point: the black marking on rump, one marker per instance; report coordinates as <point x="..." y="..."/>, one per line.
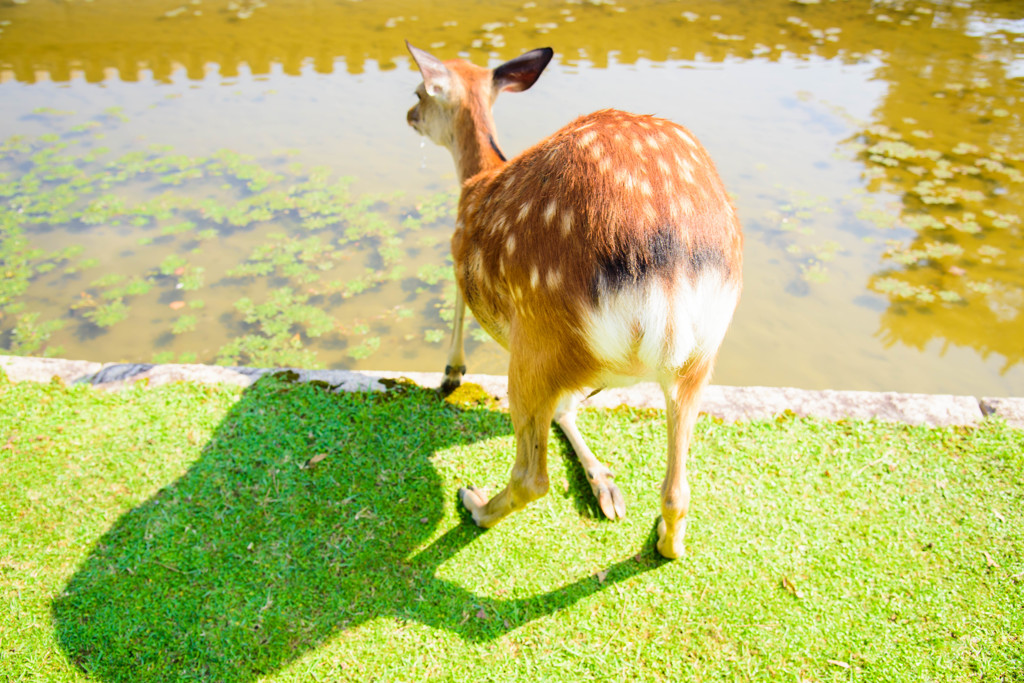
<point x="629" y="262"/>
<point x="660" y="253"/>
<point x="704" y="258"/>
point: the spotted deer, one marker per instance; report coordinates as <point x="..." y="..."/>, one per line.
<point x="606" y="254"/>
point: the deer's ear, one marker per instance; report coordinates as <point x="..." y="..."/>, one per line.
<point x="520" y="73"/>
<point x="436" y="78"/>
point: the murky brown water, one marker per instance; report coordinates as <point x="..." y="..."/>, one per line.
<point x="875" y="152"/>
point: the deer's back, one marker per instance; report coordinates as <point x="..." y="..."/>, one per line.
<point x="613" y="205"/>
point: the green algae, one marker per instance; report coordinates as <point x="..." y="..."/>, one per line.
<point x="71" y="186"/>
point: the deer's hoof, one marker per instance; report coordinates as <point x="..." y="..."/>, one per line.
<point x="452" y="379"/>
<point x="609" y="498"/>
<point x="474" y="500"/>
<point x="670" y="548"/>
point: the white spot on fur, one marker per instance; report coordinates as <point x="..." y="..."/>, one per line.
<point x="652" y="143"/>
<point x="650" y="212"/>
<point x="587" y="138"/>
<point x="500" y="224"/>
<point x="549" y="211"/>
<point x="687" y="206"/>
<point x="596" y="151"/>
<point x="524" y="211"/>
<point x="476" y="266"/>
<point x="685" y="137"/>
<point x="645" y="188"/>
<point x="554" y="278"/>
<point x="685" y="169"/>
<point x="626" y="178"/>
<point x="534" y="277"/>
<point x="510" y="244"/>
<point x="674" y="212"/>
<point x="638" y="146"/>
<point x="566" y="222"/>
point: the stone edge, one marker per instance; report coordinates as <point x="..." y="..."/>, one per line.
<point x="729" y="403"/>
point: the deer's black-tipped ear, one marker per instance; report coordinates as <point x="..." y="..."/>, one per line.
<point x="436" y="77"/>
<point x="520" y="73"/>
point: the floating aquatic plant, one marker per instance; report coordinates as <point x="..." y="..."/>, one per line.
<point x="337" y="244"/>
<point x="191" y="278"/>
<point x="185" y="323"/>
<point x="106" y="314"/>
<point x="431" y="273"/>
<point x="31" y="336"/>
<point x="364" y="349"/>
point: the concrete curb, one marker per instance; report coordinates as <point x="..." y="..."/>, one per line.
<point x="728" y="403"/>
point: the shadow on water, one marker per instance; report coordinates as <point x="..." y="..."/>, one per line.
<point x="306" y="515"/>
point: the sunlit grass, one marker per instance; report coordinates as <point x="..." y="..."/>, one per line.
<point x="285" y="533"/>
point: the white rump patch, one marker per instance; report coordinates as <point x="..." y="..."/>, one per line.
<point x="641" y="330"/>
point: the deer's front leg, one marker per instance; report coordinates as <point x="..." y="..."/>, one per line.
<point x="456" y="367"/>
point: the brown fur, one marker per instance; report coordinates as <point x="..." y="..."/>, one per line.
<point x="555" y="246"/>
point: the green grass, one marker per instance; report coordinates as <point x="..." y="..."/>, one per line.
<point x="284" y="533"/>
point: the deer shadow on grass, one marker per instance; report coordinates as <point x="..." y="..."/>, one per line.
<point x="306" y="515"/>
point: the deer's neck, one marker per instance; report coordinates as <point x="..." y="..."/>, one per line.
<point x="476" y="146"/>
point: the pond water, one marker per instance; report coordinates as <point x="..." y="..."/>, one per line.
<point x="234" y="181"/>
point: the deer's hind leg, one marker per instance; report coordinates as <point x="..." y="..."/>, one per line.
<point x="682" y="402"/>
<point x="600" y="478"/>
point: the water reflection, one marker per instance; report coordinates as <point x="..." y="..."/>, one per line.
<point x="948" y="140"/>
<point x="887" y="229"/>
<point x="123" y="37"/>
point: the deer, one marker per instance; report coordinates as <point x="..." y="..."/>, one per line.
<point x="608" y="253"/>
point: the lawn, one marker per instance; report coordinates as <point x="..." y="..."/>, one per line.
<point x="287" y="533"/>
